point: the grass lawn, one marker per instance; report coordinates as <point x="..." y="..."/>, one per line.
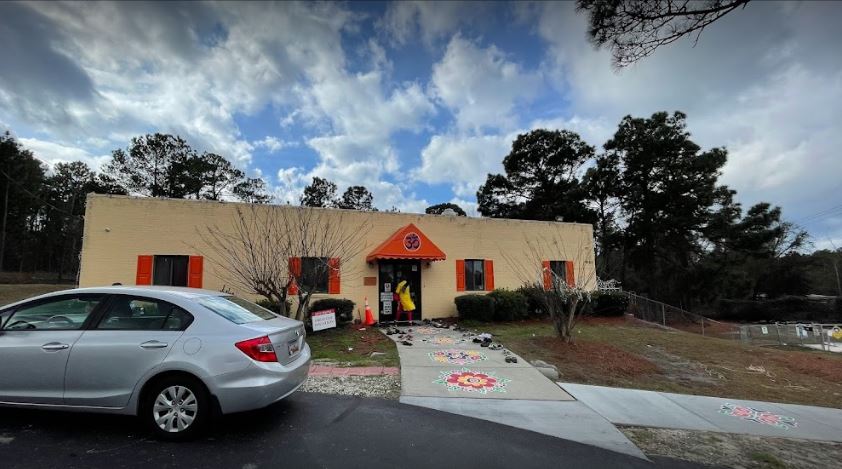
<point x="613" y="352"/>
<point x="332" y="345"/>
<point x="10" y="293"/>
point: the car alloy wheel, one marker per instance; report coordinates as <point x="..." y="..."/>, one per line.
<point x="175" y="409"/>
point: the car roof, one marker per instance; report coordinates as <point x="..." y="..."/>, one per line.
<point x="157" y="291"/>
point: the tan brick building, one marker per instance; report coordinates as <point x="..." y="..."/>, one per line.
<point x="134" y="240"/>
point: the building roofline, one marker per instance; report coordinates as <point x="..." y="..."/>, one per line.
<point x="226" y="202"/>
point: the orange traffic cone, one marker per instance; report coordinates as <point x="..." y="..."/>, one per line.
<point x="369" y="317"/>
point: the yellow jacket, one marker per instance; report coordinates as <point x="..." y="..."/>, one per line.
<point x="403" y="293"/>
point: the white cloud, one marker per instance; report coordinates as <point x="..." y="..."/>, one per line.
<point x="470" y="207"/>
<point x="289" y="185"/>
<point x="464" y="160"/>
<point x="271" y="144"/>
<point x="759" y="82"/>
<point x="52" y="153"/>
<point x="481" y="86"/>
<point x="431" y="21"/>
<point x="188" y="69"/>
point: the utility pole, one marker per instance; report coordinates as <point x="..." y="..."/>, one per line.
<point x="836" y="253"/>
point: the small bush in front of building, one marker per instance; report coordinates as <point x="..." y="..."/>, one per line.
<point x="609" y="304"/>
<point x="274" y="306"/>
<point x="344" y="308"/>
<point x="476" y="307"/>
<point x="534" y="304"/>
<point x="509" y="305"/>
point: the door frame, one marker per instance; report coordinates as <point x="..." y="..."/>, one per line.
<point x="415" y="287"/>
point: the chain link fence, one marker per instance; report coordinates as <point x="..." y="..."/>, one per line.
<point x="670" y="316"/>
<point x="826" y="337"/>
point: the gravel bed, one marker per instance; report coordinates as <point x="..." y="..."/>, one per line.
<point x="735" y="451"/>
<point x="386" y="387"/>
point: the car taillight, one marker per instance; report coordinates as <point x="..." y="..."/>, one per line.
<point x="259" y="349"/>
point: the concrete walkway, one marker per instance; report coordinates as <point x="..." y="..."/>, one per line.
<point x="667" y="410"/>
<point x="444" y="370"/>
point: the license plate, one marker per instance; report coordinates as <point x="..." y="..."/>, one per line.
<point x="294" y="347"/>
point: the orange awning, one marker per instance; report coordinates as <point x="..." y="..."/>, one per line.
<point x="407" y="243"/>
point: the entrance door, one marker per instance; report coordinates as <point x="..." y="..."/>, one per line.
<point x="390" y="273"/>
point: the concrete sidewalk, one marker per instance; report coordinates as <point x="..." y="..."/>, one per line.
<point x="444" y="370"/>
<point x="667" y="410"/>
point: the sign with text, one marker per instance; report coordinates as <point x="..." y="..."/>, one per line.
<point x="324" y="319"/>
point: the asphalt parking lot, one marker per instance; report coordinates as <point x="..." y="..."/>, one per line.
<point x="305" y="430"/>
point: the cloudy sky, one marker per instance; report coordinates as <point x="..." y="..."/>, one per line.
<point x="419" y="101"/>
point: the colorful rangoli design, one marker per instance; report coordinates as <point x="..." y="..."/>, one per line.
<point x="472" y="381"/>
<point x="427" y="330"/>
<point x="457" y="357"/>
<point x="758" y="416"/>
<point x="443" y="340"/>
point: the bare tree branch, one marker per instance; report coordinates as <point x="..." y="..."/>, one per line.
<point x="254" y="251"/>
<point x="635" y="29"/>
<point x="565" y="303"/>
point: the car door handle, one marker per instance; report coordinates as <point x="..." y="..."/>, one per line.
<point x="152" y="344"/>
<point x="54" y="346"/>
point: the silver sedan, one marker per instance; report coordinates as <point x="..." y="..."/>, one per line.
<point x="172" y="356"/>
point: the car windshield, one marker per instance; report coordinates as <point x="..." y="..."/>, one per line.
<point x="236" y="310"/>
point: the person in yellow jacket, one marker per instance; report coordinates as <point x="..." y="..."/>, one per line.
<point x="406" y="303"/>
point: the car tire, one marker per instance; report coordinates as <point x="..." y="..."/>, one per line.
<point x="176" y="408"/>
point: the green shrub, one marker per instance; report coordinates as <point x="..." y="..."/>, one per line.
<point x="609" y="304"/>
<point x="509" y="305"/>
<point x="476" y="307"/>
<point x="535" y="306"/>
<point x="273" y="306"/>
<point x="344" y="308"/>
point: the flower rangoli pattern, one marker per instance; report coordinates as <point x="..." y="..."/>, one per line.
<point x="457" y="357"/>
<point x="758" y="416"/>
<point x="472" y="381"/>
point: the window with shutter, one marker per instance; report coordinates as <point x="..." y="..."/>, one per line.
<point x="333" y="283"/>
<point x="144" y="270"/>
<point x="460" y="275"/>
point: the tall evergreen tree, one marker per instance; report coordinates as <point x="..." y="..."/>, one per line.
<point x="541" y="180"/>
<point x="667" y="189"/>
<point x="157" y="165"/>
<point x="21" y="179"/>
<point x="320" y="193"/>
<point x="357" y="198"/>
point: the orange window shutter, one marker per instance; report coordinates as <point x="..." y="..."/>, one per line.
<point x="570" y="273"/>
<point x="548" y="275"/>
<point x="194" y="271"/>
<point x="489" y="275"/>
<point x="460" y="275"/>
<point x="294" y="273"/>
<point x="144" y="270"/>
<point x="333" y="283"/>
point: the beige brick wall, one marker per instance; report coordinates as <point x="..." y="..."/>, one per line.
<point x="118" y="229"/>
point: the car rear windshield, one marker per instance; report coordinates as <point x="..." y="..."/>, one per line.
<point x="236" y="310"/>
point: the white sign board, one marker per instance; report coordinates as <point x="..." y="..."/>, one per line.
<point x="764" y="329"/>
<point x="325" y="319"/>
